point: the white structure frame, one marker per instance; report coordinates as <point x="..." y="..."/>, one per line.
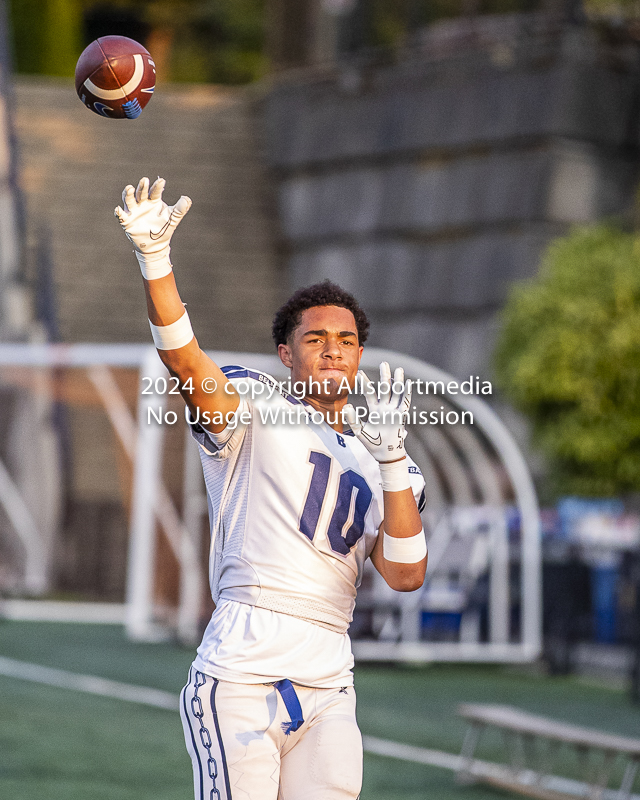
<point x="499" y="648"/>
<point x="151" y="504"/>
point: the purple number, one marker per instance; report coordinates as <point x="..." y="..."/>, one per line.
<point x="315" y="495"/>
<point x="349" y="481"/>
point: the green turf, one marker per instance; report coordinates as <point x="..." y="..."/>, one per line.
<point x="417" y="705"/>
<point x="65" y="745"/>
<point x="391" y="779"/>
<point x="97" y="650"/>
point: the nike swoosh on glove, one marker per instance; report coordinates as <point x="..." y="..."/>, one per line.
<point x="383" y="433"/>
<point x="147" y="220"/>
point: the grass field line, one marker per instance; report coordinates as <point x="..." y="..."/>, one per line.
<point x="408" y="752"/>
<point x="62" y="611"/>
<point x="90" y="684"/>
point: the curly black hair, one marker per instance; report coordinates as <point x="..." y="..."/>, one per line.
<point x="326" y="293"/>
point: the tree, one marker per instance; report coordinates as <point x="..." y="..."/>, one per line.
<point x="569" y="358"/>
<point x="218" y="41"/>
<point x="47" y="35"/>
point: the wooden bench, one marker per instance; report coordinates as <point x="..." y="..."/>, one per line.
<point x="530" y="743"/>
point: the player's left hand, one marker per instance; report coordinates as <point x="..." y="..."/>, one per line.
<point x="383" y="433"/>
<point x="148" y="222"/>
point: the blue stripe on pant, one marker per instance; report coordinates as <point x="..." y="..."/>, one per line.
<point x="276" y="741"/>
<point x="211" y="778"/>
<point x="220" y="742"/>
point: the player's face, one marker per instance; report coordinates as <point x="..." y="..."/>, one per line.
<point x="324" y="348"/>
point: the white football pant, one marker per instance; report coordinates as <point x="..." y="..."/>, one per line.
<point x="235" y="735"/>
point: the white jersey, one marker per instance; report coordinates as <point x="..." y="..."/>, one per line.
<point x="295" y="509"/>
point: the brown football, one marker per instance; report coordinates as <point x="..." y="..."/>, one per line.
<point x="115" y="77"/>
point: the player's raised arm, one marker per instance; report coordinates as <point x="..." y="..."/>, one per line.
<point x="400" y="553"/>
<point x="149" y="223"/>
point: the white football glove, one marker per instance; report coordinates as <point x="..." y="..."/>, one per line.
<point x="383" y="435"/>
<point x="149" y="223"/>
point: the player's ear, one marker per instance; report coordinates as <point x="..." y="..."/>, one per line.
<point x="284" y="351"/>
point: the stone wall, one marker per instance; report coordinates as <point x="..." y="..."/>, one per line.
<point x="429" y="186"/>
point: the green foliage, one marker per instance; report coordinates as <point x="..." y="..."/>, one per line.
<point x="27" y="35"/>
<point x="47" y="35"/>
<point x="230" y="36"/>
<point x="388" y="23"/>
<point x="62" y="36"/>
<point x="619" y="9"/>
<point x="569" y="358"/>
<point x="214" y="41"/>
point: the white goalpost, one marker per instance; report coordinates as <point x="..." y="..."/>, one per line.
<point x="475" y="474"/>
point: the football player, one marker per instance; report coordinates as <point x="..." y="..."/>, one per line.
<point x="301" y="490"/>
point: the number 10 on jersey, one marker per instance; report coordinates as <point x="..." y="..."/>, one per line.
<point x="347" y="508"/>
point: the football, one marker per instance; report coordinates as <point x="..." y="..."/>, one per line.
<point x="115" y="77"/>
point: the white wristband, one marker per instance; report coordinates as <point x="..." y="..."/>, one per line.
<point x="171" y="337"/>
<point x="154" y="265"/>
<point x="405" y="551"/>
<point x="395" y="476"/>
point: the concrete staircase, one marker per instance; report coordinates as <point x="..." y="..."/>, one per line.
<point x="202" y="140"/>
